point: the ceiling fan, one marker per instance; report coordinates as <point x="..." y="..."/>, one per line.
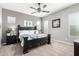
<point x="39" y="9"/>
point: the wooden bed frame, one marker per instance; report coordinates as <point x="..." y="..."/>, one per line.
<point x="28" y="44"/>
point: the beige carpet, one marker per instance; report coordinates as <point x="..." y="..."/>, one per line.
<point x="54" y="49"/>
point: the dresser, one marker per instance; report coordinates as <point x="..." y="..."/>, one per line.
<point x="11" y="39"/>
<point x="76" y="47"/>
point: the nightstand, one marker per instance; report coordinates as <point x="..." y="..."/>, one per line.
<point x="11" y="39"/>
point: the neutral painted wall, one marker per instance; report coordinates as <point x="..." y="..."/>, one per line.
<point x="20" y="17"/>
<point x="0" y="25"/>
<point x="61" y="33"/>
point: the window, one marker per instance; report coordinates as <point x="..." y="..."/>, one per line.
<point x="11" y="20"/>
<point x="74" y="24"/>
<point x="27" y="23"/>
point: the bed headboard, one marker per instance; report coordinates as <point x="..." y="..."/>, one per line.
<point x="25" y="28"/>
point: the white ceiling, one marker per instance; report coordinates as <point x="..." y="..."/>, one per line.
<point x="25" y="7"/>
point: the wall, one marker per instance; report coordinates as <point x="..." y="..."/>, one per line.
<point x="0" y="25"/>
<point x="20" y="17"/>
<point x="61" y="33"/>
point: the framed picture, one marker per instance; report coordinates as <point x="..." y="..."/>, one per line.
<point x="56" y="23"/>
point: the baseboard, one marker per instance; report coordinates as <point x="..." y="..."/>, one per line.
<point x="0" y="45"/>
<point x="63" y="42"/>
<point x="3" y="44"/>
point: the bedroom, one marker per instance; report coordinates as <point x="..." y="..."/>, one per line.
<point x="54" y="24"/>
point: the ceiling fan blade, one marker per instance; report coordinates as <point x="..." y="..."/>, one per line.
<point x="46" y="11"/>
<point x="33" y="8"/>
<point x="44" y="6"/>
<point x="33" y="12"/>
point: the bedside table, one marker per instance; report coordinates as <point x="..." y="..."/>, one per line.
<point x="11" y="39"/>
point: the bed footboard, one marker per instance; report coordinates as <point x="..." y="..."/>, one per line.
<point x="49" y="39"/>
<point x="25" y="47"/>
<point x="35" y="43"/>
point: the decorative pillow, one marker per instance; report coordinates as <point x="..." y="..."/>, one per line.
<point x="36" y="32"/>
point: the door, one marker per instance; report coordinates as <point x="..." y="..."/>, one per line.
<point x="0" y="25"/>
<point x="46" y="27"/>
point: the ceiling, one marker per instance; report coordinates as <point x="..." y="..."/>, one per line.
<point x="25" y="7"/>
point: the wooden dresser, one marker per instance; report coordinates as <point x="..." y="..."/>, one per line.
<point x="76" y="48"/>
<point x="11" y="39"/>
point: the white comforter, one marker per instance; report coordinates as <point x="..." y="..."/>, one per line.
<point x="30" y="37"/>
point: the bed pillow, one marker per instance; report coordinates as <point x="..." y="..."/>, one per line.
<point x="23" y="32"/>
<point x="31" y="31"/>
<point x="28" y="32"/>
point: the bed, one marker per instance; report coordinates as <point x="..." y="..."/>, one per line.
<point x="30" y="38"/>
